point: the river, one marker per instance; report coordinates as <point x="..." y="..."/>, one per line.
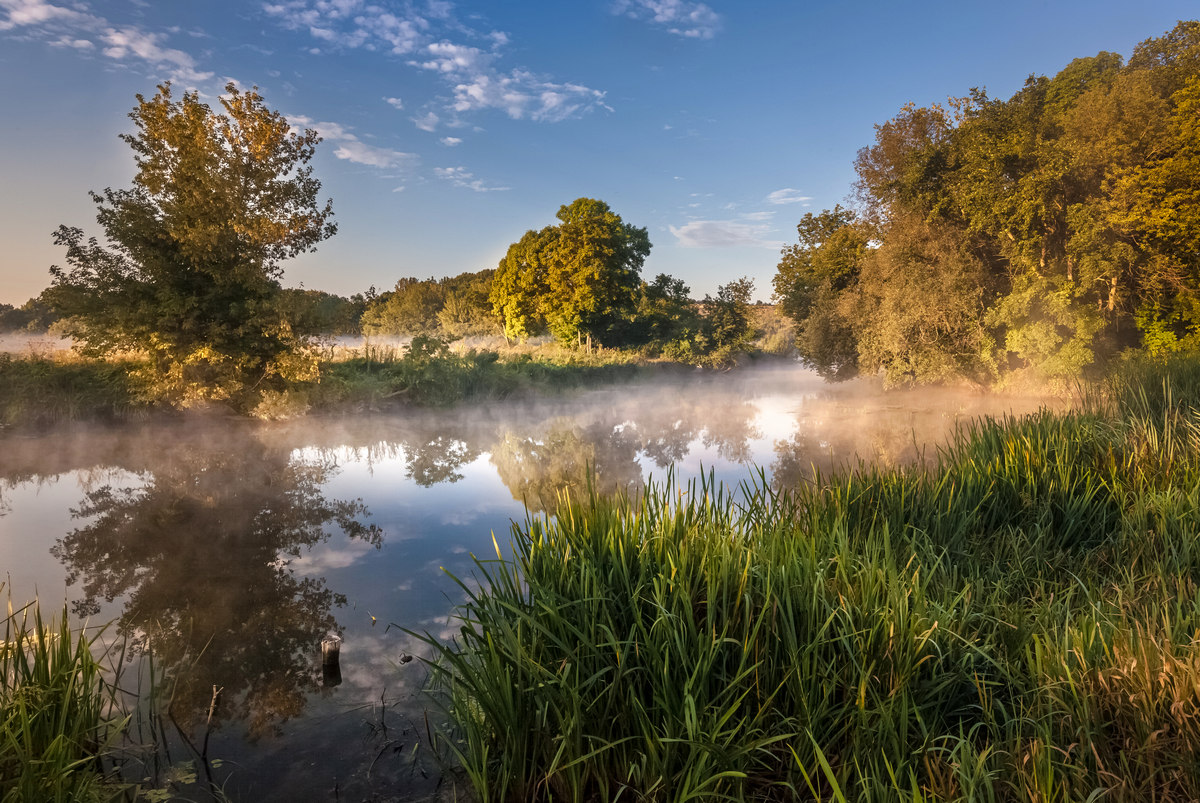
<point x="228" y="549"/>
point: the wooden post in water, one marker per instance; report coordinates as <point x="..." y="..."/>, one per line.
<point x="331" y="671"/>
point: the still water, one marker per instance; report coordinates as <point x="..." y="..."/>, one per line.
<point x="227" y="550"/>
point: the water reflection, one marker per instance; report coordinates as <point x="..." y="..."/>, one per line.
<point x="200" y="553"/>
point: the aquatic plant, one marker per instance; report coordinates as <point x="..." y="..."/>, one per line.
<point x="57" y="709"/>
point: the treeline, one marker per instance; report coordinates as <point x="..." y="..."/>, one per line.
<point x="1024" y="238"/>
<point x="580" y="281"/>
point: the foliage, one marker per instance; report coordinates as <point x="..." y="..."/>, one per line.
<point x="190" y="273"/>
<point x="1014" y="622"/>
<point x="1028" y="237"/>
<point x="315" y="312"/>
<point x="411" y="308"/>
<point x="35" y="315"/>
<point x="812" y="283"/>
<point x="56" y="712"/>
<point x="578" y="278"/>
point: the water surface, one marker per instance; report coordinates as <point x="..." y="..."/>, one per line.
<point x="229" y="549"/>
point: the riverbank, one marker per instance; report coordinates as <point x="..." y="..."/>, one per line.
<point x="45" y="389"/>
<point x="1015" y="622"/>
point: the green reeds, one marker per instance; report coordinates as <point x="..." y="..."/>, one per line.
<point x="56" y="712"/>
<point x="1018" y="622"/>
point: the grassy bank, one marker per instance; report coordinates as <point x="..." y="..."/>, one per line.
<point x="40" y="391"/>
<point x="43" y="390"/>
<point x="1019" y="622"/>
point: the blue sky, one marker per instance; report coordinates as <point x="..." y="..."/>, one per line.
<point x="450" y="128"/>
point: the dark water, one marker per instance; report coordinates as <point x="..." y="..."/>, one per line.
<point x="229" y="549"/>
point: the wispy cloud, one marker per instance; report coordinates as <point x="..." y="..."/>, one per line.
<point x="471" y="69"/>
<point x="680" y="17"/>
<point x="351" y="148"/>
<point x="427" y="122"/>
<point x="352" y="24"/>
<point x="787" y="196"/>
<point x="461" y="177"/>
<point x="721" y="234"/>
<point x="450" y="142"/>
<point x="521" y="94"/>
<point x="395" y="103"/>
<point x="79" y="28"/>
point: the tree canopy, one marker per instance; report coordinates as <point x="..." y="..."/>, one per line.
<point x="1031" y="236"/>
<point x="189" y="271"/>
<point x="579" y="278"/>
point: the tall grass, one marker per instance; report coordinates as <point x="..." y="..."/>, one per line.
<point x="1018" y="622"/>
<point x="56" y="712"/>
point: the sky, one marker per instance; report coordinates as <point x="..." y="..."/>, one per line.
<point x="451" y="128"/>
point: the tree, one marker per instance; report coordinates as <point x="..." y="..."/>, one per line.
<point x="190" y="272"/>
<point x="814" y="278"/>
<point x="410" y="309"/>
<point x="727" y="317"/>
<point x="579" y="278"/>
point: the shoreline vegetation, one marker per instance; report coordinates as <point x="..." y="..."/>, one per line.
<point x="42" y="387"/>
<point x="1016" y="622"/>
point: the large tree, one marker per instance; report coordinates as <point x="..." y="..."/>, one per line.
<point x="189" y="275"/>
<point x="579" y="278"/>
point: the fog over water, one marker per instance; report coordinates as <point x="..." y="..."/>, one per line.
<point x="230" y="548"/>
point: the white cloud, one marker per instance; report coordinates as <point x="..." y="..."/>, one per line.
<point x="395" y="103"/>
<point x="450" y="142"/>
<point x="28" y="13"/>
<point x="351" y="24"/>
<point x="787" y="196"/>
<point x="720" y="234"/>
<point x="76" y="28"/>
<point x="364" y="154"/>
<point x="447" y="57"/>
<point x="351" y="148"/>
<point x="461" y="177"/>
<point x="475" y="81"/>
<point x="680" y="17"/>
<point x="427" y="122"/>
<point x="520" y="94"/>
<point x="399" y="189"/>
<point x="123" y="42"/>
<point x="78" y="44"/>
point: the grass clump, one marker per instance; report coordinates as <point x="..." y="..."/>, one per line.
<point x="56" y="707"/>
<point x="1018" y="622"/>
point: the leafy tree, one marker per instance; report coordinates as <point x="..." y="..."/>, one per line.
<point x="665" y="313"/>
<point x="410" y="309"/>
<point x="315" y="312"/>
<point x="579" y="278"/>
<point x="920" y="306"/>
<point x="467" y="310"/>
<point x="812" y="283"/>
<point x="189" y="274"/>
<point x="35" y="315"/>
<point x="727" y="317"/>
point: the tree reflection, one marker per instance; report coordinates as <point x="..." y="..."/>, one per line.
<point x="563" y="457"/>
<point x="201" y="551"/>
<point x="564" y="460"/>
